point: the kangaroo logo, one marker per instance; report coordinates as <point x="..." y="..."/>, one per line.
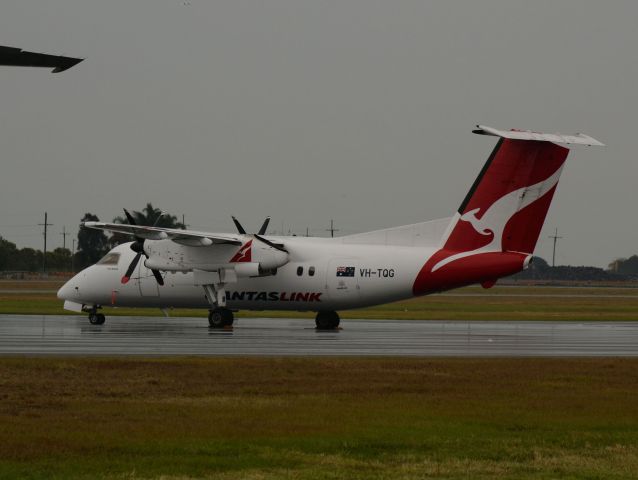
<point x="495" y="218"/>
<point x="244" y="254"/>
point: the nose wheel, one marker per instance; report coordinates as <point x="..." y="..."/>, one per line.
<point x="327" y="320"/>
<point x="97" y="318"/>
<point x="220" y="317"/>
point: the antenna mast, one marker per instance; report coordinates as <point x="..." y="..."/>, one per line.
<point x="332" y="229"/>
<point x="64" y="235"/>
<point x="44" y="252"/>
<point x="556" y="238"/>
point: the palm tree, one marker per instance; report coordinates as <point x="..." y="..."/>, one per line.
<point x="149" y="216"/>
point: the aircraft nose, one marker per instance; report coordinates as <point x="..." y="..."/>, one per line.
<point x="70" y="290"/>
<point x="65" y="291"/>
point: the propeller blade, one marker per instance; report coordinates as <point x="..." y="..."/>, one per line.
<point x="131" y="268"/>
<point x="130" y="218"/>
<point x="240" y="229"/>
<point x="161" y="214"/>
<point x="158" y="277"/>
<point x="270" y="244"/>
<point x="131" y="221"/>
<point x="138" y="245"/>
<point x="263" y="228"/>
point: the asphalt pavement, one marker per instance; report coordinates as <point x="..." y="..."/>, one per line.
<point x="73" y="335"/>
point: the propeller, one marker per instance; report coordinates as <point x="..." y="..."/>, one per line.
<point x="240" y="229"/>
<point x="270" y="244"/>
<point x="258" y="236"/>
<point x="264" y="226"/>
<point x="138" y="246"/>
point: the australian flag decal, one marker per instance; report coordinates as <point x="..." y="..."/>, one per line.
<point x="345" y="271"/>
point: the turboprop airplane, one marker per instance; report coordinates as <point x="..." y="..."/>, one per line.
<point x="492" y="235"/>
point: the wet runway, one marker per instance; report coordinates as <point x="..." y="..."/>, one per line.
<point x="73" y="335"/>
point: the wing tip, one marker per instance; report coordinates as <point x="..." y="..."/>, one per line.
<point x="67" y="63"/>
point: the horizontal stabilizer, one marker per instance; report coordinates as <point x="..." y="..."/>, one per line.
<point x="576" y="139"/>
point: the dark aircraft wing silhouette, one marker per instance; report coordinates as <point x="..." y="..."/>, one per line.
<point x="16" y="57"/>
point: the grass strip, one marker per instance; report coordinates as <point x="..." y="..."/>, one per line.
<point x="594" y="304"/>
<point x="318" y="418"/>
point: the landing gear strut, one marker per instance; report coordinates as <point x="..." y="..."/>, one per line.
<point x="220" y="317"/>
<point x="213" y="283"/>
<point x="327" y="320"/>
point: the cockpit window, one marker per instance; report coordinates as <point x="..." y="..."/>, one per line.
<point x="109" y="259"/>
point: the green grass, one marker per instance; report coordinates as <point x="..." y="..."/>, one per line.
<point x="318" y="418"/>
<point x="499" y="303"/>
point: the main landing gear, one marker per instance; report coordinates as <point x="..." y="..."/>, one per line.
<point x="213" y="284"/>
<point x="327" y="320"/>
<point x="220" y="317"/>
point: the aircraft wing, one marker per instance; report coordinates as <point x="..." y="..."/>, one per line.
<point x="16" y="57"/>
<point x="184" y="237"/>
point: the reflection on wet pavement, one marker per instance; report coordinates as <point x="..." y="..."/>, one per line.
<point x="73" y="335"/>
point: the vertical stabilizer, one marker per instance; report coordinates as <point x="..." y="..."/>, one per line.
<point x="506" y="207"/>
<point x="496" y="228"/>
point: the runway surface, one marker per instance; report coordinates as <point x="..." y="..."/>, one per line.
<point x="73" y="335"/>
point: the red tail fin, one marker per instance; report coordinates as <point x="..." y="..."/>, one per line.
<point x="496" y="228"/>
<point x="506" y="207"/>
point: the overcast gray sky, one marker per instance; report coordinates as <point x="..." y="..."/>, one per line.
<point x="355" y="110"/>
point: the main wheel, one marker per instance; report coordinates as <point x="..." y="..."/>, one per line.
<point x="220" y="317"/>
<point x="327" y="320"/>
<point x="229" y="318"/>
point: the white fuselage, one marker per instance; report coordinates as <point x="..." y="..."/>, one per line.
<point x="492" y="235"/>
<point x="368" y="275"/>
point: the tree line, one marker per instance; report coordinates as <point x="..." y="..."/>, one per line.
<point x="94" y="244"/>
<point x="91" y="245"/>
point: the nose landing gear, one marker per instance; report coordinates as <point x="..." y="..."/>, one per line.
<point x="97" y="319"/>
<point x="94" y="317"/>
<point x="327" y="320"/>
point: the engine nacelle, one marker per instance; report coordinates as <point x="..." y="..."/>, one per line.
<point x="248" y="269"/>
<point x="254" y="258"/>
<point x="267" y="257"/>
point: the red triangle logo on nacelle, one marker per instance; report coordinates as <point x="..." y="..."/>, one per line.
<point x="244" y="254"/>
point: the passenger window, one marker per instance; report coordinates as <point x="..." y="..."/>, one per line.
<point x="311" y="271"/>
<point x="299" y="271"/>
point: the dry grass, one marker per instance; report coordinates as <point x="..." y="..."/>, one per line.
<point x="318" y="418"/>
